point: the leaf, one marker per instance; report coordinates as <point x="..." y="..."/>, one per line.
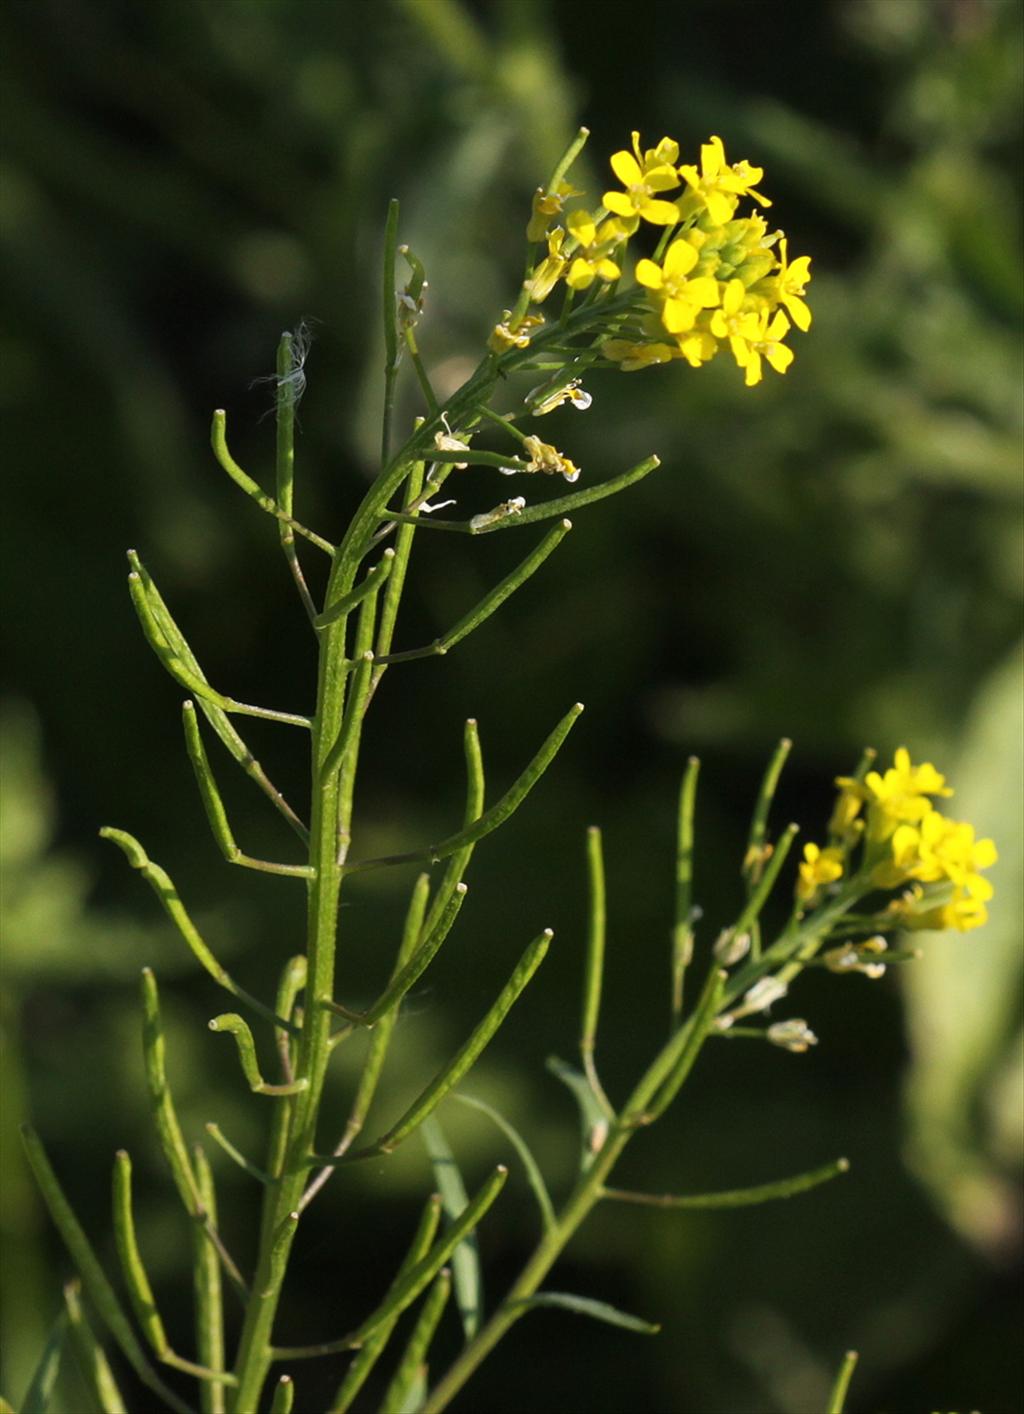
<point x="415" y="1394"/>
<point x="593" y="1120"/>
<point x="837" y="1398"/>
<point x="587" y="1306"/>
<point x="44" y="1377"/>
<point x="466" y="1273"/>
<point x="533" y="1173"/>
<point x="93" y="1366"/>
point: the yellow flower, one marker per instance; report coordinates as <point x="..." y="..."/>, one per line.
<point x="545" y="275"/>
<point x="597" y="241"/>
<point x="503" y="337"/>
<point x="719" y="186"/>
<point x="697" y="347"/>
<point x="643" y="175"/>
<point x="757" y="336"/>
<point x="679" y="297"/>
<point x="791" y="283"/>
<point x="819" y="867"/>
<point x="546" y="206"/>
<point x="934" y="850"/>
<point x="844" y="823"/>
<point x="900" y="795"/>
<point x="631" y="355"/>
<point x="947" y="849"/>
<point x="963" y="911"/>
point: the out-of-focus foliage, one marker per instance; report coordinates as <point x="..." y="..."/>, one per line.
<point x="834" y="556"/>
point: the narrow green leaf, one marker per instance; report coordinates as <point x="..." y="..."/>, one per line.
<point x="380" y="1040"/>
<point x="137" y="1282"/>
<point x="450" y="1075"/>
<point x="160" y="882"/>
<point x="412" y="1280"/>
<point x="284" y="1396"/>
<point x="593" y="972"/>
<point x="568" y="157"/>
<point x="413" y="970"/>
<point x="837" y="1398"/>
<point x="181" y="670"/>
<point x="290" y="384"/>
<point x="762" y="890"/>
<point x="756" y="856"/>
<point x="169" y="1130"/>
<point x="498" y="813"/>
<point x="133" y="1270"/>
<point x="466" y="1257"/>
<point x="544" y="510"/>
<point x="389" y="313"/>
<point x="216" y="813"/>
<point x="593" y="1116"/>
<point x="586" y="1306"/>
<point x="682" y="932"/>
<point x="219" y="721"/>
<point x="44" y="1376"/>
<point x="458" y="862"/>
<point x="218" y="440"/>
<point x="375" y="578"/>
<point x="233" y="1024"/>
<point x="370" y="1352"/>
<point x="418" y="1277"/>
<point x="492" y="601"/>
<point x="235" y="1155"/>
<point x="405" y="1392"/>
<point x="89" y="1357"/>
<point x="736" y="1197"/>
<point x="206" y="1287"/>
<point x="416" y="1393"/>
<point x="355" y="710"/>
<point x="396" y="580"/>
<point x="290" y="379"/>
<point x="533" y="1174"/>
<point x="100" y="1291"/>
<point x="679" y="1055"/>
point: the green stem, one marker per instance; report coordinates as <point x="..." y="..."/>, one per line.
<point x="329" y="833"/>
<point x="582" y="1199"/>
<point x="663" y="1073"/>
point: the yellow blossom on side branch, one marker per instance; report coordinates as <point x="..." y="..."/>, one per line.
<point x="889" y="819"/>
<point x="819" y="867"/>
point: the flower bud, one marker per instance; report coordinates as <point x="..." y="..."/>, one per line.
<point x="730" y="947"/>
<point x="794" y="1035"/>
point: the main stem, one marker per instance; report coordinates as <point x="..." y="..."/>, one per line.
<point x="331" y="809"/>
<point x="330" y="827"/>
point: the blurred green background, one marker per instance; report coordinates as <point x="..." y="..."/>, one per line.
<point x="834" y="556"/>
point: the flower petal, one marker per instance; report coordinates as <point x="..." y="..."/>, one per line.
<point x="626" y="168"/>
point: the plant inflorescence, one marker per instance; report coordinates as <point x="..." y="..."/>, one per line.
<point x="711" y="280"/>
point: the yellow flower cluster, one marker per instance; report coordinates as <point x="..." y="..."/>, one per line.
<point x="907" y="841"/>
<point x="717" y="280"/>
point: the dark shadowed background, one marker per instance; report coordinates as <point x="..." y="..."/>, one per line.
<point x="834" y="556"/>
